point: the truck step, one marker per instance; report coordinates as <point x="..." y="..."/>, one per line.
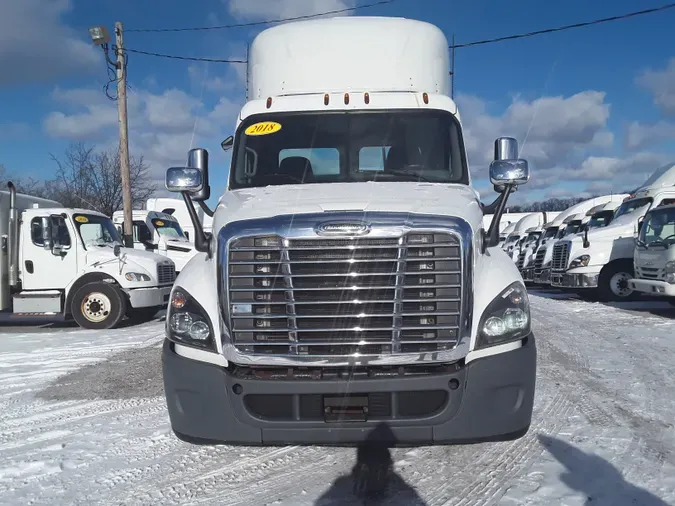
<point x="7" y="317"/>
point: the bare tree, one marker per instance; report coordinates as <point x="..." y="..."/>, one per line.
<point x="26" y="185"/>
<point x="91" y="179"/>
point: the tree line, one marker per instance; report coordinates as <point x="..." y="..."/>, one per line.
<point x="87" y="178"/>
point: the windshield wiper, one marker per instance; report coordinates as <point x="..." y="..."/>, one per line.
<point x="413" y="175"/>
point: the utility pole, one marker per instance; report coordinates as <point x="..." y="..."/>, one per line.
<point x="124" y="135"/>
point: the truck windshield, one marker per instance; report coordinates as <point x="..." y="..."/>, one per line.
<point x="96" y="230"/>
<point x="168" y="228"/>
<point x="550" y="233"/>
<point x="632" y="205"/>
<point x="658" y="228"/>
<point x="601" y="219"/>
<point x="571" y="228"/>
<point x="348" y="147"/>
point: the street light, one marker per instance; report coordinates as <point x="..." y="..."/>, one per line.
<point x="99" y="35"/>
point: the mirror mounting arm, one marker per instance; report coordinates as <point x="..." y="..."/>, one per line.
<point x="207" y="210"/>
<point x="202" y="239"/>
<point x="491" y="208"/>
<point x="493" y="231"/>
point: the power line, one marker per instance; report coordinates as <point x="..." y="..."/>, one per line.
<point x="267" y="22"/>
<point x="454" y="46"/>
<point x="566" y="27"/>
<point x="188" y="58"/>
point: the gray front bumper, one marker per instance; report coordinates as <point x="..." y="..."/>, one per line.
<point x="566" y="280"/>
<point x="542" y="276"/>
<point x="149" y="297"/>
<point x="489" y="399"/>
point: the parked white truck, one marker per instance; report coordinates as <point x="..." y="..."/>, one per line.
<point x="57" y="263"/>
<point x="178" y="209"/>
<point x="600" y="264"/>
<point x="343" y="288"/>
<point x="654" y="255"/>
<point x="563" y="225"/>
<point x="515" y="239"/>
<point x="160" y="233"/>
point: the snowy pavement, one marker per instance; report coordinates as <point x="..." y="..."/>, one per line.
<point x="83" y="421"/>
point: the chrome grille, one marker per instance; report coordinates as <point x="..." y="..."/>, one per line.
<point x="166" y="273"/>
<point x="539" y="258"/>
<point x="319" y="296"/>
<point x="521" y="259"/>
<point x="561" y="256"/>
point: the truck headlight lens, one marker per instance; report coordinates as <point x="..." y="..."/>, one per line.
<point x="581" y="261"/>
<point x="187" y="322"/>
<point x="670" y="272"/>
<point x="506" y="319"/>
<point x="136" y="276"/>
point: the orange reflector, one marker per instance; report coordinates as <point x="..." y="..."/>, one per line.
<point x="325" y="99"/>
<point x="346" y="98"/>
<point x="269" y="102"/>
<point x="366" y="98"/>
<point x="425" y="97"/>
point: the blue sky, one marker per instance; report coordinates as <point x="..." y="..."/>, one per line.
<point x="595" y="107"/>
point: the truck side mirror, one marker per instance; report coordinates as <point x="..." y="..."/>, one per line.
<point x="47" y="240"/>
<point x="509" y="172"/>
<point x="639" y="224"/>
<point x="198" y="158"/>
<point x="227" y="143"/>
<point x="183" y="179"/>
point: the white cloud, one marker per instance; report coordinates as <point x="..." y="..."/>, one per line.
<point x="162" y="126"/>
<point x="275" y="9"/>
<point x="550" y="130"/>
<point x="35" y="45"/>
<point x="661" y="84"/>
<point x="640" y="135"/>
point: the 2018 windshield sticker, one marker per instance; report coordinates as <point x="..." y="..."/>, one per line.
<point x="81" y="219"/>
<point x="159" y="223"/>
<point x="263" y="128"/>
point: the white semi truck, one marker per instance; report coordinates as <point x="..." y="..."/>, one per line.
<point x="515" y="239"/>
<point x="654" y="255"/>
<point x="160" y="233"/>
<point x="58" y="263"/>
<point x="559" y="228"/>
<point x="178" y="209"/>
<point x="348" y="280"/>
<point x="600" y="264"/>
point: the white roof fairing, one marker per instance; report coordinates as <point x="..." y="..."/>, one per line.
<point x="347" y="54"/>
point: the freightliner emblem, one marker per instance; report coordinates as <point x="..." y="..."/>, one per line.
<point x="342" y="228"/>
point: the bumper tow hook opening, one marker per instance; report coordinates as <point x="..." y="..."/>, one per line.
<point x="345" y="408"/>
<point x="237" y="389"/>
<point x="453" y="384"/>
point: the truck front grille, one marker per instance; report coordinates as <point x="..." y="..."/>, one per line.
<point x="539" y="258"/>
<point x="320" y="296"/>
<point x="650" y="273"/>
<point x="561" y="256"/>
<point x="166" y="273"/>
<point x="521" y="259"/>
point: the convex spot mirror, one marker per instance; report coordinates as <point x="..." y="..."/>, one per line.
<point x="184" y="179"/>
<point x="507" y="168"/>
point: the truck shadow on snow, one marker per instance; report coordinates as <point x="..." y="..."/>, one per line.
<point x="372" y="480"/>
<point x="657" y="306"/>
<point x="601" y="482"/>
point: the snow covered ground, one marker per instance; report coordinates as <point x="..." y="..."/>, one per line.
<point x="83" y="421"/>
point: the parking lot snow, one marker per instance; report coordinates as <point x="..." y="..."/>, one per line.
<point x="83" y="421"/>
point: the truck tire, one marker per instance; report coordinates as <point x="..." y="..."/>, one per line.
<point x="98" y="306"/>
<point x="613" y="282"/>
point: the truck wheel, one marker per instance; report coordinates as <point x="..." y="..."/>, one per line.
<point x="98" y="306"/>
<point x="613" y="283"/>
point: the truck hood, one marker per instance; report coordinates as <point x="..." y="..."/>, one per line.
<point x="407" y="197"/>
<point x="145" y="259"/>
<point x="182" y="245"/>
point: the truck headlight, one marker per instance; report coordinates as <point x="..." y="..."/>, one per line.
<point x="581" y="261"/>
<point x="136" y="276"/>
<point x="670" y="272"/>
<point x="506" y="319"/>
<point x="187" y="322"/>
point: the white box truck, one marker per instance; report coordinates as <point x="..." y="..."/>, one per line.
<point x="600" y="264"/>
<point x="348" y="281"/>
<point x="160" y="233"/>
<point x="654" y="255"/>
<point x="57" y="263"/>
